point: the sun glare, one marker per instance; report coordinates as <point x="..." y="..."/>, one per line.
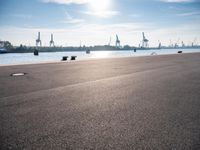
<point x="99" y="5"/>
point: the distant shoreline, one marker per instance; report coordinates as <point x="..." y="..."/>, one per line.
<point x="24" y="49"/>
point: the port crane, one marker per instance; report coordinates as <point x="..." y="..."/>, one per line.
<point x="182" y="44"/>
<point x="144" y="41"/>
<point x="177" y="43"/>
<point x="38" y="40"/>
<point x="194" y="43"/>
<point x="117" y="41"/>
<point x="109" y="43"/>
<point x="170" y="43"/>
<point x="159" y="45"/>
<point x="52" y="41"/>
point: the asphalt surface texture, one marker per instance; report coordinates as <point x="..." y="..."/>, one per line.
<point x="120" y="103"/>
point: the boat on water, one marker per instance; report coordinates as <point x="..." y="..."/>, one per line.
<point x="3" y="50"/>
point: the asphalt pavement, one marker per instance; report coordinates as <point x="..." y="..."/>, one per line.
<point x="120" y="103"/>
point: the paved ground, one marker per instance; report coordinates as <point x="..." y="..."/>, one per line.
<point x="126" y="103"/>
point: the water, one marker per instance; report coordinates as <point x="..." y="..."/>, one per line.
<point x="28" y="58"/>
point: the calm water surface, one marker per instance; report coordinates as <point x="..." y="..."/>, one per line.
<point x="22" y="58"/>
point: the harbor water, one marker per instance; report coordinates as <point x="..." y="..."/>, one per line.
<point x="29" y="58"/>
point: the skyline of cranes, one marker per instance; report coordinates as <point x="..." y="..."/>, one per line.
<point x="144" y="43"/>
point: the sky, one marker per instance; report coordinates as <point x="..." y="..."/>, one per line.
<point x="93" y="22"/>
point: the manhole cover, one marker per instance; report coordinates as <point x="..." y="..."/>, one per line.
<point x="18" y="74"/>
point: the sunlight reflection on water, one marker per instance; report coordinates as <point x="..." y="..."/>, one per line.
<point x="21" y="58"/>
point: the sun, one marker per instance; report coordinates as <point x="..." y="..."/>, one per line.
<point x="99" y="5"/>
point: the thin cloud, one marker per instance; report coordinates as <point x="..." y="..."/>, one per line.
<point x="73" y="21"/>
<point x="189" y="14"/>
<point x="22" y="16"/>
<point x="177" y="1"/>
<point x="102" y="14"/>
<point x="66" y="1"/>
<point x="69" y="19"/>
<point x="135" y="15"/>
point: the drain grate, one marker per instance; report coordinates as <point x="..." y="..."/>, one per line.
<point x="18" y="74"/>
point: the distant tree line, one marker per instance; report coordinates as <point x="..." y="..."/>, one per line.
<point x="7" y="45"/>
<point x="30" y="49"/>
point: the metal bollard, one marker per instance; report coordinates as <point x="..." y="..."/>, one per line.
<point x="64" y="58"/>
<point x="73" y="57"/>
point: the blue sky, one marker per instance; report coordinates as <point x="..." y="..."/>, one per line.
<point x="93" y="22"/>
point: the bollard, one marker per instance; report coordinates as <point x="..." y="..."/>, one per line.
<point x="36" y="52"/>
<point x="64" y="58"/>
<point x="87" y="51"/>
<point x="73" y="57"/>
